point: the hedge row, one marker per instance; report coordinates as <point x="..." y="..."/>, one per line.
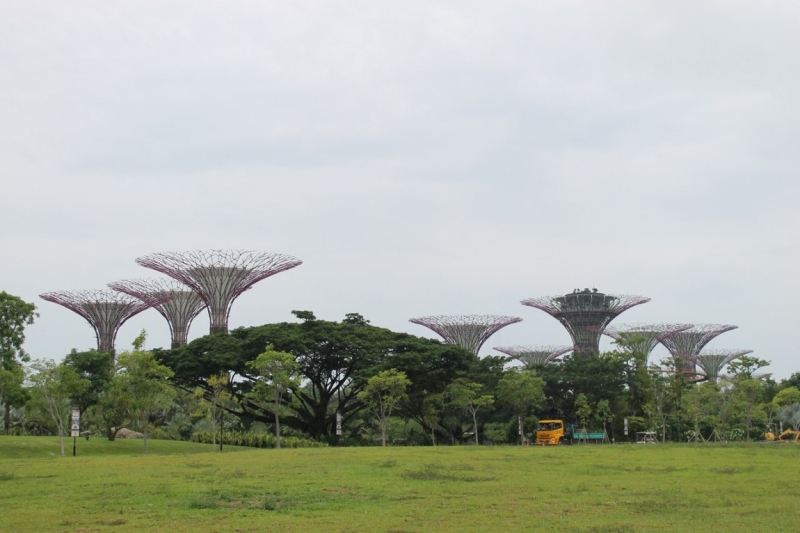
<point x="256" y="440"/>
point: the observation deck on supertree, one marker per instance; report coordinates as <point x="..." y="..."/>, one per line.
<point x="467" y="331"/>
<point x="581" y="310"/>
<point x="686" y="345"/>
<point x="219" y="276"/>
<point x="642" y="338"/>
<point x="713" y="361"/>
<point x="105" y="311"/>
<point x="176" y="302"/>
<point x="531" y="356"/>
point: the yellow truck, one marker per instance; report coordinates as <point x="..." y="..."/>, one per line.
<point x="553" y="432"/>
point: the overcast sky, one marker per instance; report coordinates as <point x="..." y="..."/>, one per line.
<point x="421" y="158"/>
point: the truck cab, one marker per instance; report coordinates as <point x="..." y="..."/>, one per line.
<point x="552" y="432"/>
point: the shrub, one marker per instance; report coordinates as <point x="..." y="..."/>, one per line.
<point x="256" y="440"/>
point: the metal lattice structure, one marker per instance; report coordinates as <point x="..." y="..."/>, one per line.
<point x="643" y="338"/>
<point x="176" y="302"/>
<point x="690" y="342"/>
<point x="712" y="362"/>
<point x="531" y="356"/>
<point x="585" y="313"/>
<point x="105" y="311"/>
<point x="467" y="331"/>
<point x="219" y="276"/>
<point x="686" y="345"/>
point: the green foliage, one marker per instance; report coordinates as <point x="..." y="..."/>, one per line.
<point x="15" y="314"/>
<point x="521" y="390"/>
<point x="582" y="409"/>
<point x="145" y="381"/>
<point x="255" y="440"/>
<point x="790" y="414"/>
<point x="335" y="361"/>
<point x="97" y="368"/>
<point x="382" y="394"/>
<point x="52" y="388"/>
<point x="277" y="375"/>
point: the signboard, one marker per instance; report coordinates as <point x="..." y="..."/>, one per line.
<point x="339" y="424"/>
<point x="75" y="423"/>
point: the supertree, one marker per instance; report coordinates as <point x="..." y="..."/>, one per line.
<point x="531" y="356"/>
<point x="467" y="331"/>
<point x="581" y="310"/>
<point x="219" y="276"/>
<point x="686" y="345"/>
<point x="713" y="361"/>
<point x="105" y="311"/>
<point x="175" y="301"/>
<point x="642" y="338"/>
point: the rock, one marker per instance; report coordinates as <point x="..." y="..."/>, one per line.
<point x="126" y="433"/>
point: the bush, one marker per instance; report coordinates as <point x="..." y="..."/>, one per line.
<point x="256" y="440"/>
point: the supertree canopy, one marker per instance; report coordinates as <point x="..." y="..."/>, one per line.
<point x="712" y="362"/>
<point x="219" y="276"/>
<point x="689" y="342"/>
<point x="106" y="311"/>
<point x="467" y="331"/>
<point x="175" y="301"/>
<point x="531" y="356"/>
<point x="642" y="338"/>
<point x="581" y="310"/>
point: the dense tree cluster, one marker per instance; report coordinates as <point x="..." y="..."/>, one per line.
<point x="298" y="378"/>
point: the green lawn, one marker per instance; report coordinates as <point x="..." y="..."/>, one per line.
<point x="185" y="487"/>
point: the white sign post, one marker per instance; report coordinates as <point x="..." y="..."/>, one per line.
<point x="75" y="428"/>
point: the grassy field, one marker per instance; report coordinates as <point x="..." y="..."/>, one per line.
<point x="184" y="487"/>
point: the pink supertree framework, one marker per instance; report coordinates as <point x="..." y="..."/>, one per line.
<point x="467" y="331"/>
<point x="105" y="311"/>
<point x="690" y="342"/>
<point x="641" y="338"/>
<point x="585" y="313"/>
<point x="712" y="362"/>
<point x="219" y="276"/>
<point x="176" y="302"/>
<point x="531" y="356"/>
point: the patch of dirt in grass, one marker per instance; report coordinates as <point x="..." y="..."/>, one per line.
<point x="6" y="476"/>
<point x="436" y="472"/>
<point x="115" y="522"/>
<point x="730" y="470"/>
<point x="239" y="500"/>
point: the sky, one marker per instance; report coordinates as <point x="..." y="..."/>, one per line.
<point x="421" y="158"/>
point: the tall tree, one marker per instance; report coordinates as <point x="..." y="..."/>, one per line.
<point x="335" y="360"/>
<point x="521" y="389"/>
<point x="97" y="368"/>
<point x="146" y="382"/>
<point x="15" y="314"/>
<point x="382" y="394"/>
<point x="52" y="389"/>
<point x="467" y="395"/>
<point x="277" y="375"/>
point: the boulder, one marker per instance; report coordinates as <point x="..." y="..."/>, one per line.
<point x="126" y="433"/>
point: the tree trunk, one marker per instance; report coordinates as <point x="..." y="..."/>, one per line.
<point x="144" y="431"/>
<point x="7" y="416"/>
<point x="111" y="433"/>
<point x="214" y="428"/>
<point x="61" y="438"/>
<point x="475" y="427"/>
<point x="277" y="431"/>
<point x="383" y="430"/>
<point x="433" y="436"/>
